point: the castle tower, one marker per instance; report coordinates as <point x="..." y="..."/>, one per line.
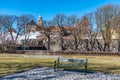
<point x="40" y="21"/>
<point x="77" y="21"/>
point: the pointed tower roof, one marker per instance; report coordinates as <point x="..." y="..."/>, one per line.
<point x="77" y="21"/>
<point x="76" y="17"/>
<point x="39" y="17"/>
<point x="84" y="21"/>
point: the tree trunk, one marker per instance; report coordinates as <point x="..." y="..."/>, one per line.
<point x="62" y="43"/>
<point x="106" y="46"/>
<point x="75" y="44"/>
<point x="48" y="42"/>
<point x="12" y="37"/>
<point x="100" y="47"/>
<point x="119" y="46"/>
<point x="87" y="45"/>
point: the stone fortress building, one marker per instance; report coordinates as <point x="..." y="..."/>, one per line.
<point x="35" y="36"/>
<point x="68" y="39"/>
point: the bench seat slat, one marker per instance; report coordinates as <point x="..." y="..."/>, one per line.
<point x="75" y="64"/>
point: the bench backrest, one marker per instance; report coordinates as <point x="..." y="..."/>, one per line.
<point x="83" y="61"/>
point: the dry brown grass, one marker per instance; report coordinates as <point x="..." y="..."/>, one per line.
<point x="108" y="64"/>
<point x="11" y="63"/>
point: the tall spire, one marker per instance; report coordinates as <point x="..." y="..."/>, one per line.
<point x="77" y="21"/>
<point x="39" y="18"/>
<point x="40" y="21"/>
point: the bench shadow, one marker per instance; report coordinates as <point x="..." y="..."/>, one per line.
<point x="80" y="71"/>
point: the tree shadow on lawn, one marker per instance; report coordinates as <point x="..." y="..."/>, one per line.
<point x="113" y="69"/>
<point x="105" y="68"/>
<point x="13" y="67"/>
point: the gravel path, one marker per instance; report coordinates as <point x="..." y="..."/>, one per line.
<point x="49" y="74"/>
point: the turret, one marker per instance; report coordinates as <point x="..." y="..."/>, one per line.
<point x="77" y="21"/>
<point x="40" y="21"/>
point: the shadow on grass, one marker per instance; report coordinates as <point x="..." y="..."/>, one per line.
<point x="105" y="68"/>
<point x="14" y="67"/>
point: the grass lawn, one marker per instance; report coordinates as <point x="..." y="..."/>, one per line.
<point x="11" y="63"/>
<point x="107" y="64"/>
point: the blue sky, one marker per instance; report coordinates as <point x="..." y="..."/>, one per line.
<point x="49" y="8"/>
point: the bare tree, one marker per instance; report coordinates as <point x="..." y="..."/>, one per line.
<point x="3" y="31"/>
<point x="82" y="31"/>
<point x="8" y="22"/>
<point x="14" y="25"/>
<point x="71" y="20"/>
<point x="1" y="34"/>
<point x="93" y="33"/>
<point x="74" y="30"/>
<point x="104" y="15"/>
<point x="47" y="29"/>
<point x="116" y="23"/>
<point x="60" y="21"/>
<point x="22" y="27"/>
<point x="76" y="35"/>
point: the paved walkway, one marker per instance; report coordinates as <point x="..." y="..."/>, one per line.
<point x="49" y="74"/>
<point x="40" y="56"/>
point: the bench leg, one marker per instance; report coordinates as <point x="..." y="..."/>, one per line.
<point x="58" y="62"/>
<point x="85" y="65"/>
<point x="85" y="68"/>
<point x="55" y="66"/>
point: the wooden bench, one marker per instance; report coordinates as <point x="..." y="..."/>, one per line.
<point x="64" y="62"/>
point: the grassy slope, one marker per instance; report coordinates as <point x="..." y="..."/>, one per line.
<point x="10" y="63"/>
